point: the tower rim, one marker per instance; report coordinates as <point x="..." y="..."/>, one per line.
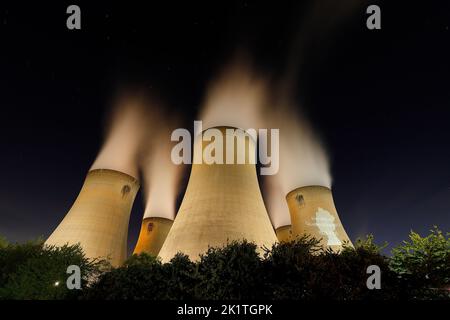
<point x="290" y="193"/>
<point x="223" y="129"/>
<point x="115" y="172"/>
<point x="158" y="217"/>
<point x="284" y="226"/>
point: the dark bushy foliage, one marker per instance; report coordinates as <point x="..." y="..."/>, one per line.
<point x="144" y="277"/>
<point x="3" y="242"/>
<point x="233" y="272"/>
<point x="182" y="278"/>
<point x="38" y="272"/>
<point x="344" y="275"/>
<point x="423" y="264"/>
<point x="299" y="270"/>
<point x="141" y="277"/>
<point x="290" y="268"/>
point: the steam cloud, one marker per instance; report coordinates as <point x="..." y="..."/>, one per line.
<point x="303" y="160"/>
<point x="241" y="97"/>
<point x="235" y="98"/>
<point x="124" y="138"/>
<point x="160" y="174"/>
<point x="138" y="139"/>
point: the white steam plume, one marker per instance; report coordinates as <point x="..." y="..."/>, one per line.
<point x="124" y="137"/>
<point x="303" y="159"/>
<point x="161" y="175"/>
<point x="235" y="98"/>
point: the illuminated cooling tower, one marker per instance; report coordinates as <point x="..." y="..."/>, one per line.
<point x="313" y="212"/>
<point x="222" y="203"/>
<point x="98" y="219"/>
<point x="284" y="233"/>
<point x="153" y="233"/>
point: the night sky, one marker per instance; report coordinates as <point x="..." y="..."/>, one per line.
<point x="379" y="99"/>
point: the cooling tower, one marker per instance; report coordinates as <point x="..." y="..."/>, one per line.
<point x="222" y="203"/>
<point x="98" y="219"/>
<point x="284" y="233"/>
<point x="153" y="233"/>
<point x="313" y="212"/>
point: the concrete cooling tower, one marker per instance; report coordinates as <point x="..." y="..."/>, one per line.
<point x="98" y="219"/>
<point x="313" y="212"/>
<point x="222" y="203"/>
<point x="153" y="233"/>
<point x="284" y="233"/>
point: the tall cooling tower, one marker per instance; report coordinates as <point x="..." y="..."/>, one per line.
<point x="222" y="203"/>
<point x="284" y="233"/>
<point x="153" y="233"/>
<point x="313" y="212"/>
<point x="98" y="219"/>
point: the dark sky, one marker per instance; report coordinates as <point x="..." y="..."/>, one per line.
<point x="379" y="99"/>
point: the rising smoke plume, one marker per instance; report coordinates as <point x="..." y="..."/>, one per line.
<point x="138" y="139"/>
<point x="125" y="135"/>
<point x="242" y="97"/>
<point x="236" y="97"/>
<point x="160" y="174"/>
<point x="303" y="159"/>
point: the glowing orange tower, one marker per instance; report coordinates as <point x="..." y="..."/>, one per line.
<point x="284" y="233"/>
<point x="153" y="233"/>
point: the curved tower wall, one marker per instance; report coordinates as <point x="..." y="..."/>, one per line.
<point x="284" y="233"/>
<point x="313" y="212"/>
<point x="222" y="203"/>
<point x="99" y="217"/>
<point x="153" y="233"/>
